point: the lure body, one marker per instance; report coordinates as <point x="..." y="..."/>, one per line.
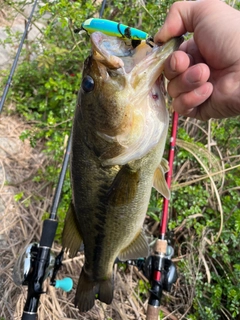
<point x="114" y="29"/>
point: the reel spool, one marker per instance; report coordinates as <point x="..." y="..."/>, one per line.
<point x="26" y="262"/>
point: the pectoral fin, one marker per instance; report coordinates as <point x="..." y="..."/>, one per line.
<point x="159" y="182"/>
<point x="138" y="248"/>
<point x="124" y="187"/>
<point x="71" y="238"/>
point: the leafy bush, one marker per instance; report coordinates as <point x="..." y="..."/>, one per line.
<point x="212" y="264"/>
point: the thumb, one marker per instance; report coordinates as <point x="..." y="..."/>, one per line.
<point x="179" y="20"/>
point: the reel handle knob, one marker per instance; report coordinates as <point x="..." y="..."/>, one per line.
<point x="66" y="284"/>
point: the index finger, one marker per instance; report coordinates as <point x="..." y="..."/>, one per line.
<point x="176" y="63"/>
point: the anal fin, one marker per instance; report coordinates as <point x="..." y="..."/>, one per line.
<point x="71" y="238"/>
<point x="138" y="248"/>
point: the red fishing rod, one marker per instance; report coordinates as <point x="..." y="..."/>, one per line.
<point x="164" y="220"/>
<point x="163" y="271"/>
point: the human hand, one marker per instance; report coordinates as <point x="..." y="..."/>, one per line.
<point x="205" y="75"/>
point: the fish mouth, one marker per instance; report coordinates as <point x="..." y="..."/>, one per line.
<point x="117" y="53"/>
<point x="142" y="66"/>
<point x="142" y="69"/>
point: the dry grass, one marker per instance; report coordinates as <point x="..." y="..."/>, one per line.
<point x="20" y="221"/>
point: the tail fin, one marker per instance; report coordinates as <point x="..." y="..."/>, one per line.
<point x="105" y="292"/>
<point x="88" y="290"/>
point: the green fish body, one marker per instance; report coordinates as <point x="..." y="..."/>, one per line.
<point x="119" y="134"/>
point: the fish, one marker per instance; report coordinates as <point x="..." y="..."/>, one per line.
<point x="118" y="139"/>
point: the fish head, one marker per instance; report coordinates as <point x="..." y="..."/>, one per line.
<point x="122" y="96"/>
<point x="103" y="94"/>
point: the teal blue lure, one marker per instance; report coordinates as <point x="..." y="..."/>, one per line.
<point x="113" y="28"/>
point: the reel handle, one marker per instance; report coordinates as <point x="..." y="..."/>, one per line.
<point x="66" y="284"/>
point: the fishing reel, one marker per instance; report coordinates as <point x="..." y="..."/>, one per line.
<point x="167" y="267"/>
<point x="155" y="263"/>
<point x="28" y="261"/>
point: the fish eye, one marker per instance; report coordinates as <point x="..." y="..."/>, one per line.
<point x="87" y="84"/>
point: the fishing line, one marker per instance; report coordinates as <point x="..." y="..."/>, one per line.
<point x="15" y="62"/>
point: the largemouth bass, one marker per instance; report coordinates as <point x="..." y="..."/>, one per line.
<point x="119" y="133"/>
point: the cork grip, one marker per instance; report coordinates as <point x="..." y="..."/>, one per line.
<point x="152" y="312"/>
<point x="161" y="246"/>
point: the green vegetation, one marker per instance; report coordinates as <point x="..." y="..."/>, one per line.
<point x="204" y="209"/>
<point x="206" y="221"/>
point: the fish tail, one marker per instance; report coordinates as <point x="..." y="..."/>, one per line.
<point x="88" y="290"/>
<point x="105" y="292"/>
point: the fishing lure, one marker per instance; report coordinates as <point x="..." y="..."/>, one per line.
<point x="113" y="28"/>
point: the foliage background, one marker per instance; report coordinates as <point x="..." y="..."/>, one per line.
<point x="204" y="213"/>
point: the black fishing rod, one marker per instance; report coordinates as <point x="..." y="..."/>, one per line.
<point x="15" y="62"/>
<point x="40" y="261"/>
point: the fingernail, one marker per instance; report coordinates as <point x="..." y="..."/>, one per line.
<point x="173" y="63"/>
<point x="156" y="38"/>
<point x="194" y="74"/>
<point x="202" y="91"/>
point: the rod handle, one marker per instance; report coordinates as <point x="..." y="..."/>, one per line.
<point x="152" y="312"/>
<point x="48" y="233"/>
